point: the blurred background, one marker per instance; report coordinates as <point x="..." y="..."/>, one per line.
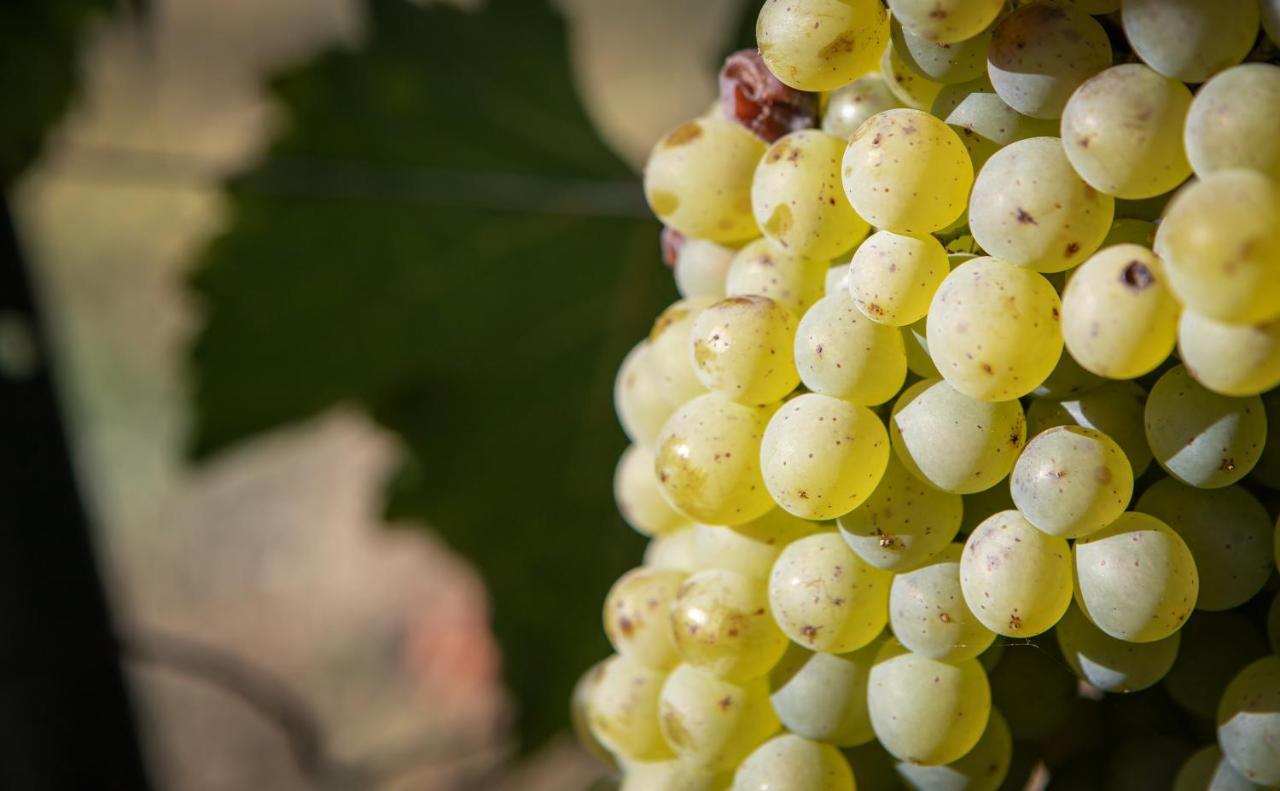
<point x="332" y="293"/>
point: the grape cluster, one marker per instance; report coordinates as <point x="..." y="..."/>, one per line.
<point x="954" y="273"/>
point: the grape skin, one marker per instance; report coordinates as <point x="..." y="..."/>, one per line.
<point x="1071" y="481"/>
<point x="1231" y="359"/>
<point x="1109" y="664"/>
<point x="1016" y="579"/>
<point x="749" y="548"/>
<point x="763" y="269"/>
<point x="1189" y="40"/>
<point x="707" y="720"/>
<point x="892" y="278"/>
<point x="1249" y="721"/>
<point x="701" y="268"/>
<point x="1232" y="122"/>
<point x="676" y="551"/>
<point x="841" y="353"/>
<point x="636" y="619"/>
<point x="635" y="489"/>
<point x="622" y="709"/>
<point x="720" y="623"/>
<point x="668" y="355"/>
<point x="908" y="85"/>
<point x="944" y="63"/>
<point x="792" y="762"/>
<point x="819" y="45"/>
<point x="946" y="21"/>
<point x="849" y="106"/>
<point x="928" y="613"/>
<point x="1114" y="408"/>
<point x="983" y="768"/>
<point x="824" y="696"/>
<point x="1040" y="53"/>
<point x="904" y="522"/>
<point x="639" y="398"/>
<point x="742" y="348"/>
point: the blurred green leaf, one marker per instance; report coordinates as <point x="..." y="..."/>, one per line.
<point x="439" y="235"/>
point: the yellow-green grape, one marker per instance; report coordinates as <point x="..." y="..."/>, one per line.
<point x="635" y="488"/>
<point x="822" y="456"/>
<point x="795" y="763"/>
<point x="1114" y="408"/>
<point x="1029" y="207"/>
<point x="986" y="124"/>
<point x="1228" y="532"/>
<point x="824" y="696"/>
<point x="580" y="718"/>
<point x="1232" y="123"/>
<point x="1016" y="579"/>
<point x="928" y="614"/>
<point x="907" y="172"/>
<point x="750" y="548"/>
<point x="826" y="598"/>
<point x="1041" y="53"/>
<point x="1215" y="646"/>
<point x="1136" y="579"/>
<point x="954" y="442"/>
<point x="909" y="86"/>
<point x="636" y="616"/>
<point x="946" y="21"/>
<point x="1209" y="770"/>
<point x="673" y="775"/>
<point x="1071" y="481"/>
<point x="1119" y="318"/>
<point x="708" y="460"/>
<point x="741" y="347"/>
<point x="1199" y="437"/>
<point x="639" y="397"/>
<point x="983" y="768"/>
<point x="925" y="711"/>
<point x="994" y="329"/>
<point x="841" y="353"/>
<point x="1190" y="40"/>
<point x="950" y="97"/>
<point x="668" y="357"/>
<point x="819" y="45"/>
<point x="676" y="550"/>
<point x="1249" y="721"/>
<point x="904" y="522"/>
<point x="713" y="722"/>
<point x="1220" y="248"/>
<point x="1231" y="359"/>
<point x="762" y="269"/>
<point x="837" y="279"/>
<point x="701" y="268"/>
<point x="698" y="179"/>
<point x="721" y="624"/>
<point x="1122" y="131"/>
<point x="622" y="709"/>
<point x="944" y="63"/>
<point x="1067" y="379"/>
<point x="1130" y="231"/>
<point x="1109" y="664"/>
<point x="849" y="106"/>
<point x="798" y="197"/>
<point x="892" y="277"/>
<point x="915" y="339"/>
<point x="1032" y="687"/>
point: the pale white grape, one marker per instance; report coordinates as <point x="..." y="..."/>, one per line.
<point x="841" y="353"/>
<point x="955" y="442"/>
<point x="639" y="397"/>
<point x="1115" y="409"/>
<point x="1231" y="359"/>
<point x="849" y="106"/>
<point x="826" y="598"/>
<point x="793" y="762"/>
<point x="580" y="719"/>
<point x="720" y="623"/>
<point x="622" y="709"/>
<point x="636" y="616"/>
<point x="635" y="489"/>
<point x="668" y="356"/>
<point x="892" y="277"/>
<point x="1249" y="721"/>
<point x="1233" y="123"/>
<point x="1136" y="579"/>
<point x="986" y="123"/>
<point x="742" y="348"/>
<point x="1200" y="437"/>
<point x="749" y="548"/>
<point x="836" y="282"/>
<point x="762" y="269"/>
<point x="1071" y="481"/>
<point x="818" y="45"/>
<point x="713" y="722"/>
<point x="698" y="179"/>
<point x="822" y="457"/>
<point x="1109" y="664"/>
<point x="945" y="63"/>
<point x="824" y="696"/>
<point x="1033" y="688"/>
<point x="981" y="769"/>
<point x="672" y="775"/>
<point x="908" y="85"/>
<point x="946" y="21"/>
<point x="1190" y="40"/>
<point x="994" y="329"/>
<point x="1208" y="770"/>
<point x="676" y="550"/>
<point x="928" y="614"/>
<point x="701" y="268"/>
<point x="1016" y="579"/>
<point x="1215" y="646"/>
<point x="1041" y="52"/>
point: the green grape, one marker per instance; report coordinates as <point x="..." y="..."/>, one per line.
<point x="1220" y="248"/>
<point x="1215" y="646"/>
<point x="928" y="614"/>
<point x="836" y="282"/>
<point x="622" y="709"/>
<point x="824" y="696"/>
<point x="721" y="624"/>
<point x="843" y="354"/>
<point x="952" y="441"/>
<point x="749" y="548"/>
<point x="1249" y="721"/>
<point x="1130" y="231"/>
<point x="1122" y="131"/>
<point x="1231" y="359"/>
<point x="994" y="329"/>
<point x="701" y="268"/>
<point x="983" y="768"/>
<point x="826" y="598"/>
<point x="819" y="45"/>
<point x="708" y="460"/>
<point x="1033" y="689"/>
<point x="1267" y="470"/>
<point x="979" y="506"/>
<point x="1208" y="770"/>
<point x="1071" y="481"/>
<point x="1041" y="52"/>
<point x="676" y="550"/>
<point x="925" y="711"/>
<point x="1049" y="223"/>
<point x="873" y="767"/>
<point x="986" y="123"/>
<point x="637" y="616"/>
<point x="904" y="522"/>
<point x="793" y="762"/>
<point x="713" y="722"/>
<point x="1232" y="123"/>
<point x="1228" y="532"/>
<point x="950" y="97"/>
<point x="1190" y="40"/>
<point x="907" y="172"/>
<point x="943" y="63"/>
<point x="635" y="489"/>
<point x="892" y="277"/>
<point x="668" y="357"/>
<point x="1199" y="437"/>
<point x="1136" y="579"/>
<point x="1273" y="613"/>
<point x="672" y="775"/>
<point x="580" y="718"/>
<point x="849" y="106"/>
<point x="741" y="347"/>
<point x="638" y="397"/>
<point x="915" y="340"/>
<point x="797" y="196"/>
<point x="946" y="21"/>
<point x="908" y="85"/>
<point x="1109" y="664"/>
<point x="764" y="270"/>
<point x="1067" y="379"/>
<point x="698" y="179"/>
<point x="822" y="457"/>
<point x="1016" y="579"/>
<point x="1115" y="409"/>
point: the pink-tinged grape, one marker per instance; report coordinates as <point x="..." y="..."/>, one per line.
<point x="892" y="277"/>
<point x="622" y="709"/>
<point x="843" y="354"/>
<point x="1109" y="664"/>
<point x="1190" y="40"/>
<point x="1041" y="52"/>
<point x="904" y="522"/>
<point x="824" y="696"/>
<point x="720" y="623"/>
<point x="819" y="45"/>
<point x="1016" y="579"/>
<point x="1071" y="481"/>
<point x="1249" y="722"/>
<point x="793" y="762"/>
<point x="636" y="616"/>
<point x="742" y="348"/>
<point x="712" y="722"/>
<point x="635" y="489"/>
<point x="763" y="269"/>
<point x="928" y="614"/>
